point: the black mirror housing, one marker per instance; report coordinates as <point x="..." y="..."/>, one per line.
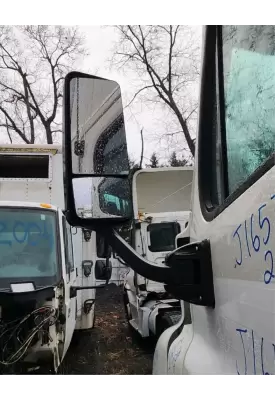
<point x="95" y="153"/>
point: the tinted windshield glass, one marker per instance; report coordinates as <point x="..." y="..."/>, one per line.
<point x="28" y="246"/>
<point x="163" y="235"/>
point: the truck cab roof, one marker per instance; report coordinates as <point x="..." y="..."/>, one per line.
<point x="31" y="148"/>
<point x="27" y="204"/>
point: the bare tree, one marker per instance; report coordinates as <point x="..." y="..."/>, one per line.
<point x="33" y="63"/>
<point x="166" y="59"/>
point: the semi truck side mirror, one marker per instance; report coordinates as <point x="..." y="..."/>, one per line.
<point x="95" y="153"/>
<point x="98" y="193"/>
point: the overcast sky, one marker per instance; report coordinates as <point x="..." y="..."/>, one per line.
<point x="100" y="41"/>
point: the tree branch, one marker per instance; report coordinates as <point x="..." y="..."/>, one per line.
<point x="143" y="51"/>
<point x="137" y="93"/>
<point x="13" y="125"/>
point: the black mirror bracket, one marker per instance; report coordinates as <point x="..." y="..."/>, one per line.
<point x="188" y="275"/>
<point x="201" y="291"/>
<point x="74" y="289"/>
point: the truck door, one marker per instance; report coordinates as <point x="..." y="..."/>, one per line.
<point x="234" y="203"/>
<point x="71" y="310"/>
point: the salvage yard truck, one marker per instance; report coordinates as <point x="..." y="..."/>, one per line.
<point x="47" y="269"/>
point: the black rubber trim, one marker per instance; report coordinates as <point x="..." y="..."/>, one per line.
<point x="253" y="178"/>
<point x="187" y="321"/>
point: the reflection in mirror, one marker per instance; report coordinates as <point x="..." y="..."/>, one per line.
<point x="101" y="197"/>
<point x="97" y="127"/>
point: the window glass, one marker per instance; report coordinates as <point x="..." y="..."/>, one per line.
<point x="29" y="249"/>
<point x="163" y="236"/>
<point x="249" y="87"/>
<point x="114" y="196"/>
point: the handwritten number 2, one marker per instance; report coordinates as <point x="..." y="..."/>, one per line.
<point x="2" y="228"/>
<point x="268" y="275"/>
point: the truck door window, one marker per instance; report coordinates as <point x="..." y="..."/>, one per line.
<point x="249" y="94"/>
<point x="163" y="236"/>
<point x="237" y="116"/>
<point x="69" y="258"/>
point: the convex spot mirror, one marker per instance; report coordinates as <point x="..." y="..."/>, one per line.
<point x="95" y="152"/>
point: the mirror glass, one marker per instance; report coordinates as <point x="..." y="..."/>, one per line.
<point x="97" y="127"/>
<point x="102" y="197"/>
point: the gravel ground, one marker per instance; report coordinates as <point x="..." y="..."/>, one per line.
<point x="111" y="347"/>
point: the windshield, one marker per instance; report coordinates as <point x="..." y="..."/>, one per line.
<point x="28" y="244"/>
<point x="163" y="236"/>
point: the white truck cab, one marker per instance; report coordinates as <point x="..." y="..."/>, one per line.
<point x="233" y="206"/>
<point x="44" y="262"/>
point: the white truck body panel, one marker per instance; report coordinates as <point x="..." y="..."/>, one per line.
<point x="106" y="108"/>
<point x="160" y="195"/>
<point x="237" y="337"/>
<point x="158" y="190"/>
<point x="164" y="194"/>
<point x="40" y="190"/>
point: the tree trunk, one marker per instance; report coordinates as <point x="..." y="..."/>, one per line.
<point x="183" y="125"/>
<point x="49" y="135"/>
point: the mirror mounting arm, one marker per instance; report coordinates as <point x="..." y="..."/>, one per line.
<point x="188" y="275"/>
<point x="74" y="289"/>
